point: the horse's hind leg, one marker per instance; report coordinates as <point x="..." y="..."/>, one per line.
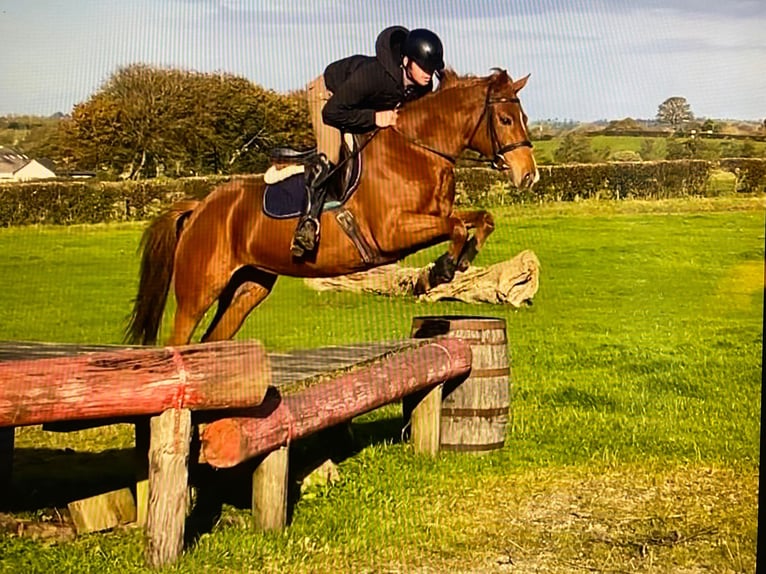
<point x="195" y="292"/>
<point x="247" y="287"/>
<point x="190" y="308"/>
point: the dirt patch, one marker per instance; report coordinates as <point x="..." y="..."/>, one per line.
<point x="684" y="519"/>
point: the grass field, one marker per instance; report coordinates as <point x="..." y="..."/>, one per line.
<point x="545" y="149"/>
<point x="636" y="406"/>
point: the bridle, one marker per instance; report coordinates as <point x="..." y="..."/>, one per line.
<point x="497" y="161"/>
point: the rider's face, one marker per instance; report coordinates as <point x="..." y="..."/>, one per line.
<point x="415" y="73"/>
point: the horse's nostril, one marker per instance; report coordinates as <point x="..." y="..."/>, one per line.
<point x="526" y="181"/>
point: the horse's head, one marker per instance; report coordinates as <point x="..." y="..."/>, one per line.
<point x="483" y="114"/>
<point x="501" y="133"/>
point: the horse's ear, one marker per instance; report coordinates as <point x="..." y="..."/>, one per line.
<point x="499" y="76"/>
<point x="519" y="84"/>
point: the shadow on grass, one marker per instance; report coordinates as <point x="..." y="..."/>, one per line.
<point x="219" y="487"/>
<point x="45" y="480"/>
<point x="52" y="478"/>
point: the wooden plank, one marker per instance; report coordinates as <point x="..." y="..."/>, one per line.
<point x="426" y="422"/>
<point x="133" y="382"/>
<point x="103" y="511"/>
<point x="270" y="485"/>
<point x="168" y="479"/>
<point x="302" y="364"/>
<point x="227" y="442"/>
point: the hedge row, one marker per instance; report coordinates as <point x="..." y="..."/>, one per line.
<point x="619" y="180"/>
<point x="750" y="172"/>
<point x="69" y="202"/>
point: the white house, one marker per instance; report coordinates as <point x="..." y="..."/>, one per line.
<point x="15" y="166"/>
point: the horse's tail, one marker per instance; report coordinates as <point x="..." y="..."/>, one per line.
<point x="158" y="248"/>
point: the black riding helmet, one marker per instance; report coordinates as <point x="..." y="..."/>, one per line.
<point x="425" y="49"/>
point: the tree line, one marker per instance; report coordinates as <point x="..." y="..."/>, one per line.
<point x="148" y="121"/>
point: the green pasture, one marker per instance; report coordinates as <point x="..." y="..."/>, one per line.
<point x="545" y="149"/>
<point x="634" y="442"/>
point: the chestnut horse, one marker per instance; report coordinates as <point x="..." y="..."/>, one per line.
<point x="225" y="249"/>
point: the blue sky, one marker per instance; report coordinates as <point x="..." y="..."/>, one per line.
<point x="589" y="59"/>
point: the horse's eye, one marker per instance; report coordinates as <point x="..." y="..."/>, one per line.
<point x="506" y="120"/>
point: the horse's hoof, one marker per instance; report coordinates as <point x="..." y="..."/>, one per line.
<point x="468" y="254"/>
<point x="443" y="271"/>
<point x="422" y="286"/>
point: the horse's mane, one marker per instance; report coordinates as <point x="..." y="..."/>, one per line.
<point x="451" y="79"/>
<point x="448" y="96"/>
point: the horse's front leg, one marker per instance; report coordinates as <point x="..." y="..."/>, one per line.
<point x="484" y="224"/>
<point x="414" y="230"/>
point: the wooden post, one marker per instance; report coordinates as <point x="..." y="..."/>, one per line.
<point x="7" y="438"/>
<point x="168" y="479"/>
<point x="270" y="482"/>
<point x="426" y="422"/>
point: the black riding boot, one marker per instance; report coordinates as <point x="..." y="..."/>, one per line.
<point x="307" y="232"/>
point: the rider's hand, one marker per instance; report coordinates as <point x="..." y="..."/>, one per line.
<point x="385" y="118"/>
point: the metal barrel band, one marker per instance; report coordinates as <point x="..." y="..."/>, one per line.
<point x="473" y="447"/>
<point x="484" y="413"/>
<point x="486" y="373"/>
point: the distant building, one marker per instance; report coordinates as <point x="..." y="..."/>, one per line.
<point x="15" y="166"/>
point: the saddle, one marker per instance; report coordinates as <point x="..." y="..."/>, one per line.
<point x="285" y="195"/>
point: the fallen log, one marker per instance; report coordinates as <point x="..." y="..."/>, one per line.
<point x="133" y="382"/>
<point x="512" y="282"/>
<point x="293" y="414"/>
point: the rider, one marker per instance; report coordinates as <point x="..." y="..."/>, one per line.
<point x="358" y="94"/>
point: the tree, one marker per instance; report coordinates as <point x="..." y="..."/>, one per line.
<point x="675" y="111"/>
<point x="147" y="121"/>
<point x="648" y="150"/>
<point x="710" y="126"/>
<point x="575" y="148"/>
<point x="748" y="149"/>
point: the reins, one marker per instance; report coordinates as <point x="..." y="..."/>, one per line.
<point x="426" y="147"/>
<point x="350" y="156"/>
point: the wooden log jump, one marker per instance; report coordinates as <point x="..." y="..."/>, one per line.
<point x="292" y="415"/>
<point x="133" y="382"/>
<point x="168" y="384"/>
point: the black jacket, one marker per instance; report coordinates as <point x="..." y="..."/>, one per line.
<point x="363" y="85"/>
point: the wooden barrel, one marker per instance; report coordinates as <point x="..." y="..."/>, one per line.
<point x="475" y="414"/>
